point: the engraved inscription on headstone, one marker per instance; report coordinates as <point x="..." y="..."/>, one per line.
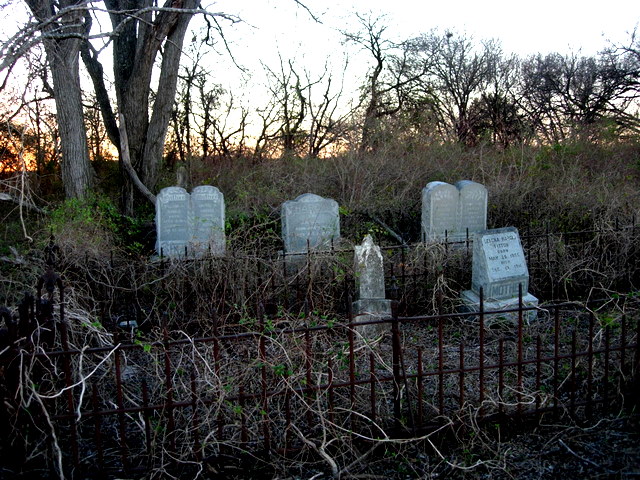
<point x="472" y="207"/>
<point x="450" y="211"/>
<point x="439" y="211"/>
<point x="172" y="221"/>
<point x="207" y="204"/>
<point x="499" y="268"/>
<point x="309" y="221"/>
<point x="190" y="224"/>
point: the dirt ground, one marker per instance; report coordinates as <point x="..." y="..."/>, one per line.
<point x="607" y="449"/>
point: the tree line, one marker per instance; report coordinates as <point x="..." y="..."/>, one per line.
<point x="438" y="87"/>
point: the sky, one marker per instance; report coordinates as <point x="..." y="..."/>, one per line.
<point x="281" y="27"/>
<point x="523" y="27"/>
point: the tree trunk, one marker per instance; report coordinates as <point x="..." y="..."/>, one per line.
<point x="63" y="59"/>
<point x="77" y="174"/>
<point x="161" y="116"/>
<point x="135" y="51"/>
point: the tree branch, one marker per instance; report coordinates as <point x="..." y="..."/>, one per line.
<point x="126" y="162"/>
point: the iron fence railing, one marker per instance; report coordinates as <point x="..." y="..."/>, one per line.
<point x="562" y="266"/>
<point x="172" y="401"/>
<point x="276" y="362"/>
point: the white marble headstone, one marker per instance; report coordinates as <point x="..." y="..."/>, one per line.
<point x="499" y="266"/>
<point x="369" y="276"/>
<point x="450" y="211"/>
<point x="472" y="205"/>
<point x="309" y="221"/>
<point x="369" y="270"/>
<point x="207" y="207"/>
<point x="172" y="221"/>
<point x="439" y="211"/>
<point x="499" y="269"/>
<point x="190" y="224"/>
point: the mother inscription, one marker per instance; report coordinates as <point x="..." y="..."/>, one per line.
<point x="499" y="269"/>
<point x="499" y="266"/>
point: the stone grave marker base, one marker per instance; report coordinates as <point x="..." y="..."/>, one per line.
<point x="371" y="309"/>
<point x="471" y="303"/>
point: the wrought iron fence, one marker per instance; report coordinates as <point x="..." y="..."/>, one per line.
<point x="89" y="403"/>
<point x="276" y="358"/>
<point x="561" y="265"/>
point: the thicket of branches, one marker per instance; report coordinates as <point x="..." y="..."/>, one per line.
<point x="220" y="423"/>
<point x="439" y="87"/>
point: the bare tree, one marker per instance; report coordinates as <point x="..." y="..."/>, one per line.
<point x="572" y="95"/>
<point x="458" y="72"/>
<point x="97" y="138"/>
<point x="382" y="92"/>
<point x="29" y="108"/>
<point x="209" y="101"/>
<point x="143" y="32"/>
<point x="289" y="96"/>
<point x="264" y="145"/>
<point x="62" y="26"/>
<point x="495" y="116"/>
<point x="229" y="128"/>
<point x="328" y="118"/>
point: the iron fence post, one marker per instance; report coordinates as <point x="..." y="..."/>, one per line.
<point x="395" y="344"/>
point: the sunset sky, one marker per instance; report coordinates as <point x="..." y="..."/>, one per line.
<point x="273" y="28"/>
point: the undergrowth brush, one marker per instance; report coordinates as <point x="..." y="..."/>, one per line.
<point x="113" y="278"/>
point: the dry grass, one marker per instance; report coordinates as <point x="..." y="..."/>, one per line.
<point x="530" y="188"/>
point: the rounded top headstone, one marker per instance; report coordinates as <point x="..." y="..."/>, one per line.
<point x="309" y="197"/>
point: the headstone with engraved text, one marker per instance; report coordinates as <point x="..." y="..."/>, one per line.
<point x="207" y="220"/>
<point x="439" y="211"/>
<point x="190" y="224"/>
<point x="472" y="208"/>
<point x="450" y="212"/>
<point x="499" y="269"/>
<point x="173" y="207"/>
<point x="309" y="222"/>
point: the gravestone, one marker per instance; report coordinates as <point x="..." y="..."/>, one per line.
<point x="369" y="274"/>
<point x="450" y="211"/>
<point x="173" y="207"/>
<point x="439" y="211"/>
<point x="472" y="205"/>
<point x="499" y="268"/>
<point x="190" y="224"/>
<point x="207" y="206"/>
<point x="309" y="222"/>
